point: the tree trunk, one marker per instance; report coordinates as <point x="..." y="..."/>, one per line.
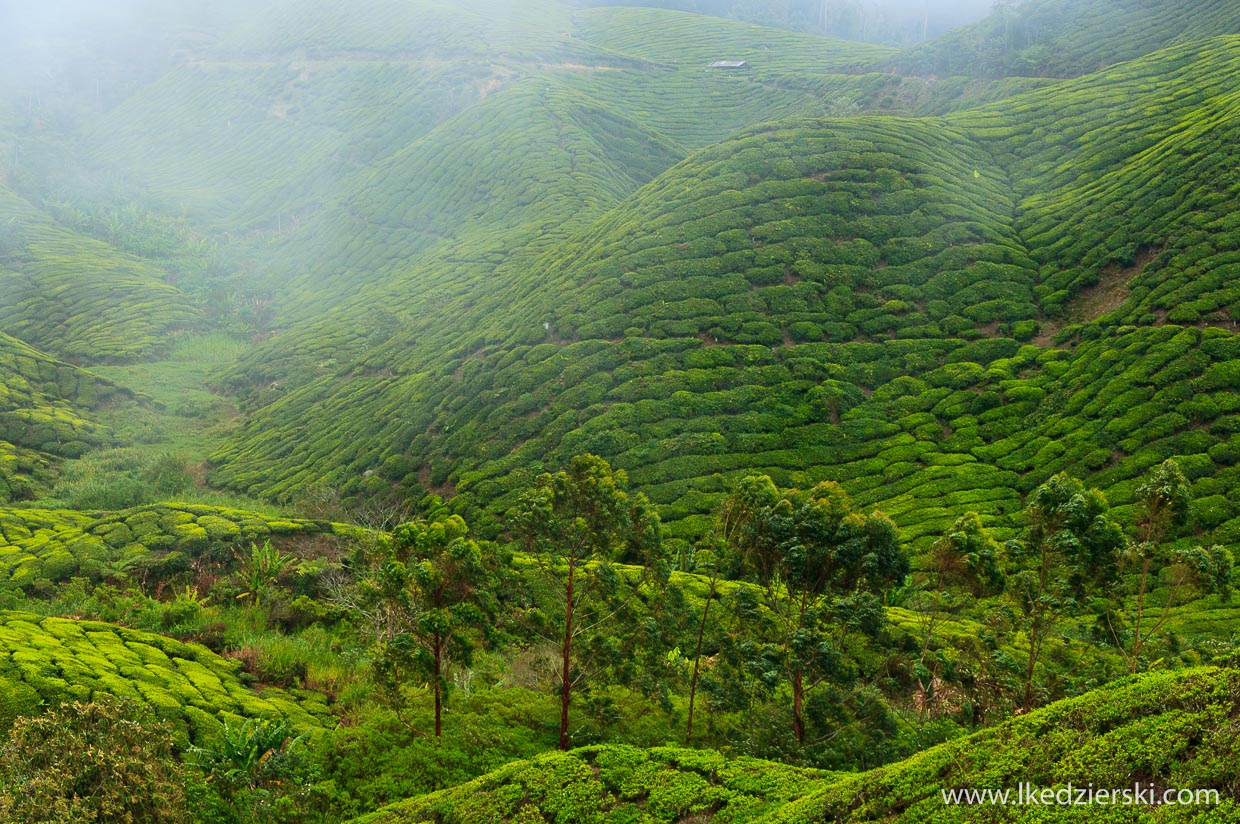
<point x="798" y="697"/>
<point x="565" y="683"/>
<point x="1136" y="633"/>
<point x="438" y="688"/>
<point x="697" y="659"/>
<point x="1034" y="631"/>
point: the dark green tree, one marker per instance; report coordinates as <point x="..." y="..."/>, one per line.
<point x="964" y="558"/>
<point x="737" y="510"/>
<point x="422" y="593"/>
<point x="823" y="568"/>
<point x="103" y="761"/>
<point x="1070" y="547"/>
<point x="706" y="563"/>
<point x="1163" y="501"/>
<point x="577" y="524"/>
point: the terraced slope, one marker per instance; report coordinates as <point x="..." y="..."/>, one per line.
<point x="1161" y="730"/>
<point x="48" y="660"/>
<point x="39" y="547"/>
<point x="43" y="404"/>
<point x="616" y="783"/>
<point x="76" y="297"/>
<point x="1140" y="213"/>
<point x="866" y="300"/>
<point x="1054" y="38"/>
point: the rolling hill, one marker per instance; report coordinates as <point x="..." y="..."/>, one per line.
<point x="926" y="310"/>
<point x="1134" y="731"/>
<point x="45" y="409"/>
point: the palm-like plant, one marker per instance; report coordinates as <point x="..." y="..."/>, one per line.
<point x="261" y="570"/>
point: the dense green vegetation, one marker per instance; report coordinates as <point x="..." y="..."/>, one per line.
<point x="42" y="407"/>
<point x="1052" y="38"/>
<point x="707" y="327"/>
<point x="394" y="392"/>
<point x="1113" y="735"/>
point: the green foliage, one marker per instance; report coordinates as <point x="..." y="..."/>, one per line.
<point x="824" y="568"/>
<point x="420" y="596"/>
<point x="257" y="771"/>
<point x="188" y="686"/>
<point x="102" y="761"/>
<point x="261" y="569"/>
<point x="577" y="524"/>
<point x="1070" y="547"/>
<point x="38" y="547"/>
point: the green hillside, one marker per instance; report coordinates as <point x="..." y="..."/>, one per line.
<point x="1133" y="731"/>
<point x="76" y="297"/>
<point x="50" y="660"/>
<point x="449" y="382"/>
<point x="1067" y="38"/>
<point x="43" y="404"/>
<point x="892" y="303"/>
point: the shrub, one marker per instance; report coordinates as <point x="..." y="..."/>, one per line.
<point x="103" y="761"/>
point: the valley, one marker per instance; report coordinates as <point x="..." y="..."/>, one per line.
<point x="480" y="411"/>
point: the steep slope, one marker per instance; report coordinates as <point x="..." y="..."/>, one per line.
<point x="1067" y="38"/>
<point x="79" y="298"/>
<point x="49" y="660"/>
<point x="42" y="407"/>
<point x="40" y="548"/>
<point x="1133" y="188"/>
<point x="1166" y="730"/>
<point x="854" y="299"/>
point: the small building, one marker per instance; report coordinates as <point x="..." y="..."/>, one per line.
<point x="728" y="64"/>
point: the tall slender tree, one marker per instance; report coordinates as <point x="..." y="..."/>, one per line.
<point x="422" y="591"/>
<point x="821" y="565"/>
<point x="964" y="557"/>
<point x="1070" y="546"/>
<point x="576" y="524"/>
<point x="1163" y="501"/>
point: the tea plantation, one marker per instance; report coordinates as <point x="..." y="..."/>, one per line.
<point x="51" y="660"/>
<point x="426" y="411"/>
<point x="1132" y="731"/>
<point x="906" y="306"/>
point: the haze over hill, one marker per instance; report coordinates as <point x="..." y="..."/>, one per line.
<point x="268" y="268"/>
